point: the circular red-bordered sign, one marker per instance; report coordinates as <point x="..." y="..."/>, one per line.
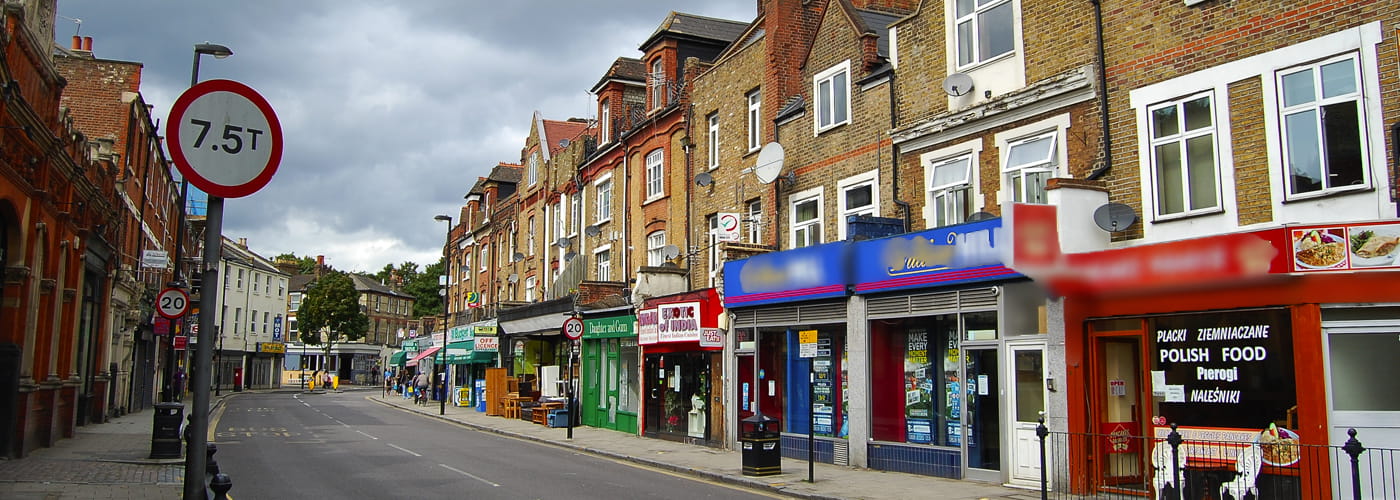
<point x="573" y="328"/>
<point x="172" y="303"/>
<point x="224" y="138"/>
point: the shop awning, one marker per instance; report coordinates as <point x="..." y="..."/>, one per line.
<point x="398" y="358"/>
<point x="421" y="355"/>
<point x="464" y="353"/>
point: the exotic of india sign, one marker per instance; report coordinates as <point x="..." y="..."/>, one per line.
<point x="678" y="322"/>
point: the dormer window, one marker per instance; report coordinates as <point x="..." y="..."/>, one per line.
<point x="604" y="122"/>
<point x="657" y="79"/>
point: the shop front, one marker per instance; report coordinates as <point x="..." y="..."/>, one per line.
<point x="538" y="354"/>
<point x="956" y="355"/>
<point x="774" y="298"/>
<point x="1271" y="344"/>
<point x="682" y="348"/>
<point x="611" y="370"/>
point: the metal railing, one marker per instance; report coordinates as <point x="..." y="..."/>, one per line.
<point x="1119" y="465"/>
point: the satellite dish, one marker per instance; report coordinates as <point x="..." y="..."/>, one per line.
<point x="562" y="243"/>
<point x="957" y="84"/>
<point x="670" y="252"/>
<point x="517" y="257"/>
<point x="563" y="143"/>
<point x="980" y="216"/>
<point x="592" y="230"/>
<point x="570" y="256"/>
<point x="704" y="179"/>
<point x="770" y="162"/>
<point x="1114" y="217"/>
<point x="513" y="278"/>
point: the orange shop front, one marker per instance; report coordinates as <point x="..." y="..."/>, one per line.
<point x="682" y="349"/>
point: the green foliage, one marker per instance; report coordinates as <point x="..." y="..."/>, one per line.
<point x="423" y="286"/>
<point x="305" y="265"/>
<point x="332" y="304"/>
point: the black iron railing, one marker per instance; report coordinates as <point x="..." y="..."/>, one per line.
<point x="1171" y="466"/>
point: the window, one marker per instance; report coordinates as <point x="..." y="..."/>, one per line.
<point x="240" y="278"/>
<point x="252" y="322"/>
<point x="530" y="236"/>
<point x="712" y="243"/>
<point x="986" y="29"/>
<point x="575" y="212"/>
<point x="656" y="243"/>
<point x="658" y="84"/>
<point x="255" y="281"/>
<point x="467" y="265"/>
<point x="281" y="287"/>
<point x="857" y="196"/>
<point x="534" y="171"/>
<point x="755" y="120"/>
<point x="237" y="320"/>
<point x="1183" y="155"/>
<point x="605" y="122"/>
<point x="530" y="289"/>
<point x="603" y="211"/>
<point x="265" y="321"/>
<point x="295" y="301"/>
<point x="754" y="219"/>
<point x="654" y="171"/>
<point x="485" y="256"/>
<point x="832" y="91"/>
<point x="713" y="146"/>
<point x="1030" y="163"/>
<point x="268" y="284"/>
<point x="805" y="221"/>
<point x="604" y="259"/>
<point x="950" y="189"/>
<point x="1323" y="144"/>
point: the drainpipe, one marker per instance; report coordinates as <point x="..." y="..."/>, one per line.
<point x="1395" y="155"/>
<point x="1103" y="94"/>
<point x="894" y="155"/>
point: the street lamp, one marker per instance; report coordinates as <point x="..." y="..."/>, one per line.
<point x="442" y="403"/>
<point x="196" y="460"/>
<point x="219" y="52"/>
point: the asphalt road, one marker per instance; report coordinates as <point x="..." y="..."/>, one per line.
<point x="341" y="446"/>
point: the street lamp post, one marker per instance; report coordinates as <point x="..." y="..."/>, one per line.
<point x="195" y="459"/>
<point x="442" y="403"/>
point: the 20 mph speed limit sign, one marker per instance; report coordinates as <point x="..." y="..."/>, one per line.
<point x="224" y="138"/>
<point x="573" y="328"/>
<point x="172" y="303"/>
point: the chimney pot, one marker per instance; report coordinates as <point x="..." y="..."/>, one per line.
<point x="243" y="242"/>
<point x="77" y="42"/>
<point x="87" y="43"/>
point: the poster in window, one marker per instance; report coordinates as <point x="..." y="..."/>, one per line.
<point x="918" y="387"/>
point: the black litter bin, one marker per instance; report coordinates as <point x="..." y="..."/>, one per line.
<point x="761" y="449"/>
<point x="165" y="430"/>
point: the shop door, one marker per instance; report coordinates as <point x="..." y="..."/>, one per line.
<point x="1365" y="398"/>
<point x="1027" y="373"/>
<point x="591" y="402"/>
<point x="747" y="387"/>
<point x="611" y="381"/>
<point x="1118" y="416"/>
<point x="982" y="422"/>
<point x="655" y="378"/>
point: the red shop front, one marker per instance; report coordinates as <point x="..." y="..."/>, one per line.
<point x="1238" y="339"/>
<point x="682" y="372"/>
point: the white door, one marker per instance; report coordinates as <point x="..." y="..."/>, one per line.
<point x="1027" y="375"/>
<point x="1365" y="395"/>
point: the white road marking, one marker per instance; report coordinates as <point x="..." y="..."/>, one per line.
<point x="468" y="474"/>
<point x="367" y="435"/>
<point x="405" y="450"/>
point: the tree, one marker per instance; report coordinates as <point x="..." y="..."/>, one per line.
<point x="305" y="265"/>
<point x="423" y="286"/>
<point x="331" y="306"/>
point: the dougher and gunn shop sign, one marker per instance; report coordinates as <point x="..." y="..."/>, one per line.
<point x="1222" y="370"/>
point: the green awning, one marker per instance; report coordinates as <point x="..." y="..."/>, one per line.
<point x="398" y="358"/>
<point x="463" y="353"/>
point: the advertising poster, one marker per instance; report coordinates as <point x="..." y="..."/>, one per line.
<point x="918" y="388"/>
<point x="823" y="389"/>
<point x="952" y="395"/>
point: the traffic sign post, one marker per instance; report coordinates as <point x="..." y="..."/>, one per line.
<point x="226" y="140"/>
<point x="172" y="303"/>
<point x="573" y="328"/>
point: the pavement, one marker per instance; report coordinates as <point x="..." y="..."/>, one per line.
<point x="109" y="461"/>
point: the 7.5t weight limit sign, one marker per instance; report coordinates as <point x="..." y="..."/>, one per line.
<point x="225" y="138"/>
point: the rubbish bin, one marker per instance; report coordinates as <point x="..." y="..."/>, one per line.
<point x="480" y="396"/>
<point x="760" y="448"/>
<point x="165" y="430"/>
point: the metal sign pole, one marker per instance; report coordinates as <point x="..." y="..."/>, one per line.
<point x="569" y="393"/>
<point x="195" y="458"/>
<point x="811" y="421"/>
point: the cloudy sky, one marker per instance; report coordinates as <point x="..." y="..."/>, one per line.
<point x="390" y="109"/>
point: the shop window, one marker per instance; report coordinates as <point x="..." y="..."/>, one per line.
<point x="824" y="397"/>
<point x="916" y="389"/>
<point x="629" y="385"/>
<point x="1355" y="360"/>
<point x="980" y="325"/>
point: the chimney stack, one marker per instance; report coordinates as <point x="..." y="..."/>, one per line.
<point x="243" y="243"/>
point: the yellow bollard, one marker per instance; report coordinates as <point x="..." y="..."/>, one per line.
<point x="335" y="382"/>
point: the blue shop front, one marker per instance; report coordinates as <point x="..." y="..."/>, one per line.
<point x="930" y="352"/>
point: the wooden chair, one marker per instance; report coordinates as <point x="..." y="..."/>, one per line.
<point x="512" y="406"/>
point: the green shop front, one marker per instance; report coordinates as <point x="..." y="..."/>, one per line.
<point x="471" y="349"/>
<point x="611" y="386"/>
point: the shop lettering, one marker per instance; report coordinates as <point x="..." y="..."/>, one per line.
<point x="1184" y="354"/>
<point x="1255" y="353"/>
<point x="1171" y="335"/>
<point x="1250" y="332"/>
<point x="647" y="317"/>
<point x="1231" y="374"/>
<point x="1216" y="395"/>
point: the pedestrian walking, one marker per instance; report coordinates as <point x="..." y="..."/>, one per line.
<point x="421" y="384"/>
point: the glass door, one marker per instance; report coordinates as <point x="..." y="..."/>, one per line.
<point x="1118" y="417"/>
<point x="982" y="431"/>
